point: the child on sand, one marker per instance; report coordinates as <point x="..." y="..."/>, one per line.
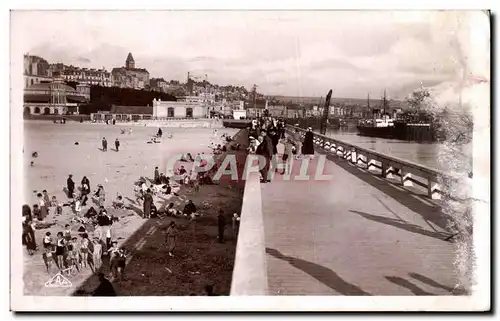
<point x="84" y="249"/>
<point x="118" y="203"/>
<point x="43" y="207"/>
<point x="60" y="245"/>
<point x="72" y="253"/>
<point x="47" y="241"/>
<point x="97" y="254"/>
<point x="47" y="257"/>
<point x="67" y="232"/>
<point x="46" y="198"/>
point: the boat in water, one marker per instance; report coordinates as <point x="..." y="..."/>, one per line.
<point x="380" y="126"/>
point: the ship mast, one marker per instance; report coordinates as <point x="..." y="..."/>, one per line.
<point x="385" y="101"/>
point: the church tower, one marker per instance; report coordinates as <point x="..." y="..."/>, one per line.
<point x="130" y="63"/>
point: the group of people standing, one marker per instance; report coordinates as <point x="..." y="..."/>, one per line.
<point x="104" y="144"/>
<point x="266" y="133"/>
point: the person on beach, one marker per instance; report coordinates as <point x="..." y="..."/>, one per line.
<point x="117" y="144"/>
<point x="60" y="245"/>
<point x="71" y="186"/>
<point x="44" y="212"/>
<point x="28" y="236"/>
<point x="85" y="185"/>
<point x="157" y="176"/>
<point x="118" y="203"/>
<point x="97" y="253"/>
<point x="221" y="224"/>
<point x="67" y="232"/>
<point x="100" y="194"/>
<point x="47" y="241"/>
<point x="171" y="238"/>
<point x="72" y="253"/>
<point x="308" y="148"/>
<point x="54" y="204"/>
<point x="159" y="133"/>
<point x="104" y="144"/>
<point x="27" y="212"/>
<point x="46" y="198"/>
<point x="48" y="257"/>
<point x="190" y="209"/>
<point x="236" y="225"/>
<point x="148" y="202"/>
<point x="84" y="249"/>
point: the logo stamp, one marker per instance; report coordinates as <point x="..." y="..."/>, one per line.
<point x="58" y="281"/>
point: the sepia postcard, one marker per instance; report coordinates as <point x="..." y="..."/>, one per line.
<point x="276" y="160"/>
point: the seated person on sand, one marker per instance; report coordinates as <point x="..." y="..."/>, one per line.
<point x="182" y="173"/>
<point x="91" y="213"/>
<point x="166" y="189"/>
<point x="162" y="179"/>
<point x="190" y="209"/>
<point x="183" y="158"/>
<point x="118" y="203"/>
<point x="170" y="210"/>
<point x="189" y="157"/>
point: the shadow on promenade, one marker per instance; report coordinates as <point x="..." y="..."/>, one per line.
<point x="407" y="284"/>
<point x="429" y="213"/>
<point x="402" y="225"/>
<point x="320" y="273"/>
<point x="431" y="282"/>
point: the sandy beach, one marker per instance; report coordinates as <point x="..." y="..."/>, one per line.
<point x="58" y="156"/>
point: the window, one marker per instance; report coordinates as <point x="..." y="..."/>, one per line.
<point x="32" y="81"/>
<point x="170" y="112"/>
<point x="37" y="110"/>
<point x="189" y="112"/>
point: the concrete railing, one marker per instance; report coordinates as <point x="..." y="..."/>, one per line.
<point x="250" y="271"/>
<point x="386" y="166"/>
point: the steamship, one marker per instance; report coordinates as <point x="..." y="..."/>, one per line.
<point x="380" y="125"/>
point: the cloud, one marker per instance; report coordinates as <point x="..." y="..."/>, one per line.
<point x="284" y="52"/>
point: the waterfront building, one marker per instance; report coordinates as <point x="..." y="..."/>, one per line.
<point x="185" y="108"/>
<point x="124" y="113"/>
<point x="88" y="76"/>
<point x="55" y="98"/>
<point x="130" y="76"/>
<point x="36" y="71"/>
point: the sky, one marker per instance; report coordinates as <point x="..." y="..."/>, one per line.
<point x="293" y="53"/>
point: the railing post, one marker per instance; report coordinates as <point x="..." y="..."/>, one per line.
<point x="368" y="163"/>
<point x="386" y="170"/>
<point x="405" y="178"/>
<point x="354" y="156"/>
<point x="433" y="189"/>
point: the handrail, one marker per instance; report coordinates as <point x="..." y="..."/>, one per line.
<point x="388" y="163"/>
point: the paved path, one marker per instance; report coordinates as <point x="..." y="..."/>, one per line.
<point x="353" y="235"/>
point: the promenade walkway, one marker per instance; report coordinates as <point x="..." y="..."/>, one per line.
<point x="355" y="234"/>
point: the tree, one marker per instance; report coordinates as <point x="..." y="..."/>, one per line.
<point x="417" y="99"/>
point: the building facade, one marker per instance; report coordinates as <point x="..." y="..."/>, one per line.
<point x="88" y="76"/>
<point x="130" y="76"/>
<point x="54" y="98"/>
<point x="36" y="71"/>
<point x="178" y="109"/>
<point x="158" y="84"/>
